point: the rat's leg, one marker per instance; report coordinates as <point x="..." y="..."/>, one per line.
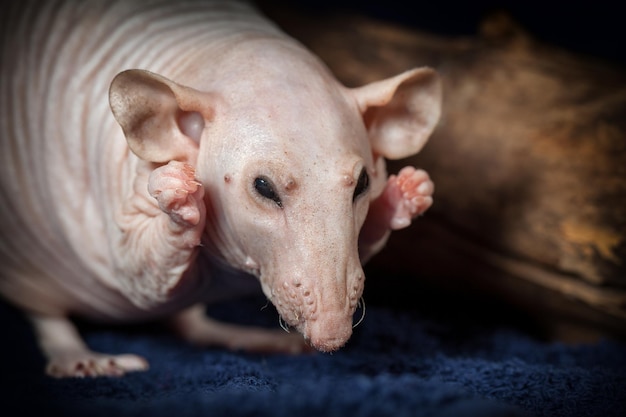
<point x="405" y="197"/>
<point x="161" y="228"/>
<point x="68" y="356"/>
<point x="179" y="196"/>
<point x="195" y="327"/>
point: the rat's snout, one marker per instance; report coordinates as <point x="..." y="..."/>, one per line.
<point x="312" y="271"/>
<point x="331" y="327"/>
<point x="323" y="309"/>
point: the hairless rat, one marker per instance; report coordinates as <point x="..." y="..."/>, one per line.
<point x="157" y="156"/>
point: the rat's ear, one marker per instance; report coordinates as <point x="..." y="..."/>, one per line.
<point x="162" y="120"/>
<point x="401" y="112"/>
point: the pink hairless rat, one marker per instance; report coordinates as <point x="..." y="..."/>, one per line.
<point x="157" y="156"/>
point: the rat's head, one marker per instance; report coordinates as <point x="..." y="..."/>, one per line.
<point x="290" y="168"/>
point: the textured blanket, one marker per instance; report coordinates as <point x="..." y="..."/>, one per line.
<point x="400" y="362"/>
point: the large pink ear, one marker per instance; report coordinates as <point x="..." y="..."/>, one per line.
<point x="162" y="120"/>
<point x="401" y="112"/>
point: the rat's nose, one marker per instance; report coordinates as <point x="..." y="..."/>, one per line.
<point x="330" y="331"/>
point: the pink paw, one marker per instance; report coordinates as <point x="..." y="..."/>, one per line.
<point x="410" y="192"/>
<point x="177" y="191"/>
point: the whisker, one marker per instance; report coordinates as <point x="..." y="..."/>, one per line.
<point x="283" y="324"/>
<point x="360" y="304"/>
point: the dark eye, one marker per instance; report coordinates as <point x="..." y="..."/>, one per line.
<point x="265" y="188"/>
<point x="362" y="184"/>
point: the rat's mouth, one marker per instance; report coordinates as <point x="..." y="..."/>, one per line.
<point x="299" y="324"/>
<point x="326" y="334"/>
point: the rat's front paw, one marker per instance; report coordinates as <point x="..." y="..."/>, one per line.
<point x="410" y="192"/>
<point x="177" y="191"/>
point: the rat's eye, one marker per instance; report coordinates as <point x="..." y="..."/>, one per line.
<point x="361" y="185"/>
<point x="264" y="187"/>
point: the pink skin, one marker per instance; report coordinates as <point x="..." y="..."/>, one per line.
<point x="405" y="196"/>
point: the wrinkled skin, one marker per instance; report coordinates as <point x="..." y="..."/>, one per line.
<point x="259" y="164"/>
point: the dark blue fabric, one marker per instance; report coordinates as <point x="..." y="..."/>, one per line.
<point x="398" y="363"/>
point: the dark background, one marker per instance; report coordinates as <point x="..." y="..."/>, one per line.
<point x="594" y="28"/>
<point x="589" y="29"/>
